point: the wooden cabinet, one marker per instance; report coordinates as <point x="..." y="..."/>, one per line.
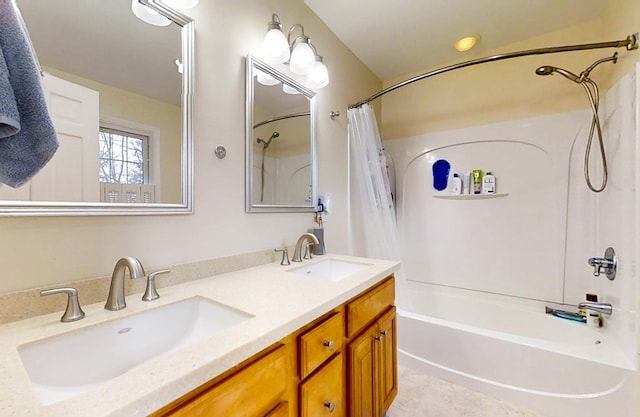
<point x="341" y="365"/>
<point x="371" y="356"/>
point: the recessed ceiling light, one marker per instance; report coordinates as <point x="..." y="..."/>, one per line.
<point x="466" y="43"/>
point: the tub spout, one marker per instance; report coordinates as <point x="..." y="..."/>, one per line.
<point x="603" y="308"/>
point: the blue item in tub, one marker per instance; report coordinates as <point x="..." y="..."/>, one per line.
<point x="441" y="170"/>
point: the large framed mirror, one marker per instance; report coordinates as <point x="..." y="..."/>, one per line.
<point x="281" y="166"/>
<point x="119" y="91"/>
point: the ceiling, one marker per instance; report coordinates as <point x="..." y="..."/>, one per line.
<point x="398" y="37"/>
<point x="103" y="40"/>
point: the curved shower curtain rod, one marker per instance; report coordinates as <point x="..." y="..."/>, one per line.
<point x="286" y="116"/>
<point x="631" y="43"/>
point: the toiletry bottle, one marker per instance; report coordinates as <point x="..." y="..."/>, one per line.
<point x="318" y="230"/>
<point x="466" y="183"/>
<point x="488" y="183"/>
<point x="476" y="178"/>
<point x="594" y="319"/>
<point x="456" y="184"/>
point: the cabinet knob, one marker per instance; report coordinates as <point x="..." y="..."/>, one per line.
<point x="330" y="405"/>
<point x="378" y="338"/>
<point x="329" y="344"/>
<point x="383" y="332"/>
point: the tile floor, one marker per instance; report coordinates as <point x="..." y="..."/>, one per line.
<point x="421" y="395"/>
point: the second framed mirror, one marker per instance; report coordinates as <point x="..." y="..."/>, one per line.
<point x="280" y="141"/>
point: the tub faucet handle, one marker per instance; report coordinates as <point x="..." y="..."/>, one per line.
<point x="150" y="293"/>
<point x="73" y="311"/>
<point x="605" y="265"/>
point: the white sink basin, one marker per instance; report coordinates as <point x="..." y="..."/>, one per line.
<point x="69" y="364"/>
<point x="330" y="269"/>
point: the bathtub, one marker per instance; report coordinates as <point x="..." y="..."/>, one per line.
<point x="520" y="355"/>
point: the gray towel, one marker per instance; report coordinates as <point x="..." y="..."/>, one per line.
<point x="9" y="117"/>
<point x="25" y="152"/>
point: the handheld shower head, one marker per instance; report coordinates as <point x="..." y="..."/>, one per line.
<point x="549" y="70"/>
<point x="266" y="143"/>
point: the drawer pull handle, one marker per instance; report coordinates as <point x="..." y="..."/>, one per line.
<point x="329" y="344"/>
<point x="330" y="405"/>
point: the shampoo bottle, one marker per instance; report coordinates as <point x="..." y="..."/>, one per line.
<point x="456" y="184"/>
<point x="488" y="183"/>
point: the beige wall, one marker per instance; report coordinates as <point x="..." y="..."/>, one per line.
<point x="44" y="251"/>
<point x="509" y="89"/>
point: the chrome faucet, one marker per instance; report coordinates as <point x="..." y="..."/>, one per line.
<point x="603" y="308"/>
<point x="115" y="300"/>
<point x="297" y="254"/>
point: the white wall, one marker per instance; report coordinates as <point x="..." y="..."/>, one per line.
<point x="43" y="251"/>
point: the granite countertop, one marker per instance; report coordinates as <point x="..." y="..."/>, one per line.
<point x="280" y="303"/>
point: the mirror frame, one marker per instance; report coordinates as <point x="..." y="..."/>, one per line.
<point x="250" y="207"/>
<point x="51" y="208"/>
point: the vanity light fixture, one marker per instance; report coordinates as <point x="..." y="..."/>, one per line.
<point x="466" y="43"/>
<point x="148" y="15"/>
<point x="299" y="53"/>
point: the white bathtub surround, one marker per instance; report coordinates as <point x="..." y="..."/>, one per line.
<point x="420" y="394"/>
<point x="488" y="267"/>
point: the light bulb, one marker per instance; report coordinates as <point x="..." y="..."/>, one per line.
<point x="266" y="79"/>
<point x="318" y="77"/>
<point x="275" y="47"/>
<point x="302" y="57"/>
<point x="289" y="90"/>
<point x="148" y="15"/>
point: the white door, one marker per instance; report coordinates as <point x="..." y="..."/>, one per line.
<point x="72" y="173"/>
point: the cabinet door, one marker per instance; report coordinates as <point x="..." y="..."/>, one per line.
<point x="363" y="358"/>
<point x="251" y="392"/>
<point x="282" y="410"/>
<point x="388" y="358"/>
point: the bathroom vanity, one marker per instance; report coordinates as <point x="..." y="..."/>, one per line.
<point x="349" y="352"/>
<point x="310" y="345"/>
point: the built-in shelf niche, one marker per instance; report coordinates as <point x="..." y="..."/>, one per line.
<point x="469" y="196"/>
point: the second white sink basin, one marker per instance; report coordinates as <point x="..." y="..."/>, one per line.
<point x="330" y="269"/>
<point x="64" y="366"/>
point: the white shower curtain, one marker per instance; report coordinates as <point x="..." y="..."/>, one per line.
<point x="376" y="210"/>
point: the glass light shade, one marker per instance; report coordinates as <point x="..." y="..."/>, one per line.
<point x="181" y="4"/>
<point x="289" y="90"/>
<point x="318" y="77"/>
<point x="302" y="58"/>
<point x="148" y="15"/>
<point x="275" y="47"/>
<point x="266" y="79"/>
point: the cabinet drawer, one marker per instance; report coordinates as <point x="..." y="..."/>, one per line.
<point x="319" y="343"/>
<point x="322" y="395"/>
<point x="251" y="392"/>
<point x="281" y="410"/>
<point x="365" y="308"/>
